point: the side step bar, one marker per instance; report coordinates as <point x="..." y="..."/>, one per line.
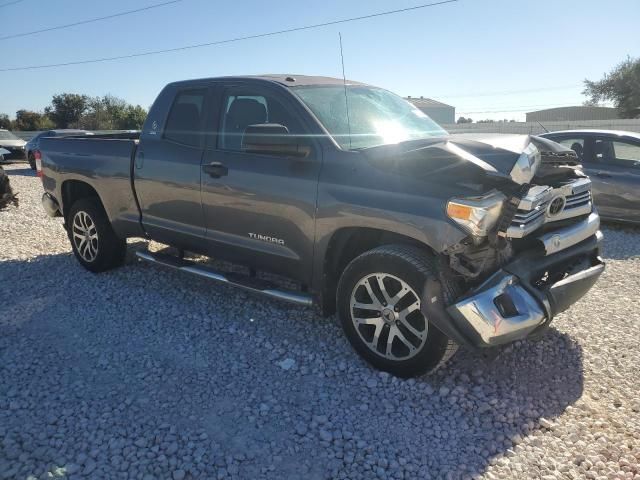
<point x="235" y="280"/>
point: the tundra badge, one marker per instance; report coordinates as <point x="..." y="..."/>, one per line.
<point x="266" y="238"/>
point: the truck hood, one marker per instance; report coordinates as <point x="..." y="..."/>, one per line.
<point x="488" y="159"/>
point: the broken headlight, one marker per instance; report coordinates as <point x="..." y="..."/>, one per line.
<point x="477" y="215"/>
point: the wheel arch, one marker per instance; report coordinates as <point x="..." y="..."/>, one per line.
<point x="344" y="245"/>
<point x="74" y="190"/>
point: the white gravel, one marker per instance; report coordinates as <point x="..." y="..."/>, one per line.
<point x="145" y="373"/>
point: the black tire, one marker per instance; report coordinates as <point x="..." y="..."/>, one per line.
<point x="401" y="264"/>
<point x="110" y="250"/>
<point x="32" y="161"/>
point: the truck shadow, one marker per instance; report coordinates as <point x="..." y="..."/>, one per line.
<point x="454" y="423"/>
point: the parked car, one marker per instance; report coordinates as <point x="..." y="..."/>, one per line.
<point x="13" y="144"/>
<point x="612" y="160"/>
<point x="33" y="144"/>
<point x="420" y="241"/>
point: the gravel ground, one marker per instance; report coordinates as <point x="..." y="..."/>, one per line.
<point x="147" y="373"/>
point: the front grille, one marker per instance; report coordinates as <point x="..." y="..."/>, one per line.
<point x="572" y="199"/>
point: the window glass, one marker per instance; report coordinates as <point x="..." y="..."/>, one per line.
<point x="362" y="117"/>
<point x="242" y="110"/>
<point x="184" y="124"/>
<point x="626" y="152"/>
<point x="575" y="144"/>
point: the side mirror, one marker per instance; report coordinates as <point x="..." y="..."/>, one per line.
<point x="273" y="139"/>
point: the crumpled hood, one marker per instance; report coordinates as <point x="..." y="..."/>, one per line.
<point x="464" y="155"/>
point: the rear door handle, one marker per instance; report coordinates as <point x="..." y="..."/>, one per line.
<point x="216" y="169"/>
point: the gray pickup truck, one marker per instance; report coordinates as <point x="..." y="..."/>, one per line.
<point x="419" y="240"/>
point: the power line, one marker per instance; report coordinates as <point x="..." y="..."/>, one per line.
<point x="230" y="40"/>
<point x="91" y="20"/>
<point x="11" y="3"/>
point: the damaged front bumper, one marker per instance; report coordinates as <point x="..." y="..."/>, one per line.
<point x="521" y="298"/>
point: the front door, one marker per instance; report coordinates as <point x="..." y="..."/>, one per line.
<point x="259" y="209"/>
<point x="614" y="167"/>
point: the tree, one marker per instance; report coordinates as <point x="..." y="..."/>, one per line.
<point x="5" y="122"/>
<point x="29" y="121"/>
<point x="67" y="108"/>
<point x="621" y="85"/>
<point x="464" y="120"/>
<point x="111" y="113"/>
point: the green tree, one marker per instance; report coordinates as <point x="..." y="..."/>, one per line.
<point x="112" y="113"/>
<point x="464" y="120"/>
<point x="621" y="85"/>
<point x="30" y="121"/>
<point x="5" y="121"/>
<point x="67" y="109"/>
<point x="133" y="118"/>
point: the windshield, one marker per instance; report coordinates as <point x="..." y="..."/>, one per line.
<point x="5" y="135"/>
<point x="375" y="116"/>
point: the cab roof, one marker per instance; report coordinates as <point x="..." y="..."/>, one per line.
<point x="286" y="79"/>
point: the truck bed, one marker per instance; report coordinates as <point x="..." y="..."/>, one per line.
<point x="105" y="162"/>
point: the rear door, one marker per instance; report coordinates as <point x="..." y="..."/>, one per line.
<point x="259" y="209"/>
<point x="613" y="163"/>
<point x="167" y="170"/>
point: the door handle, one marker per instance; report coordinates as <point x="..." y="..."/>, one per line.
<point x="139" y="159"/>
<point x="216" y="169"/>
<point x="603" y="175"/>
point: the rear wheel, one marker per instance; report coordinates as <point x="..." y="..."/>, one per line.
<point x="379" y="300"/>
<point x="94" y="243"/>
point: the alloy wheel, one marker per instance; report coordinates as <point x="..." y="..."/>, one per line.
<point x="85" y="236"/>
<point x="385" y="312"/>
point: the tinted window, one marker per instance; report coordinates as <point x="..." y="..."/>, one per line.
<point x="242" y="110"/>
<point x="184" y="124"/>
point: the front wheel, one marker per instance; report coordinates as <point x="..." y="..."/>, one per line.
<point x="379" y="300"/>
<point x="94" y="243"/>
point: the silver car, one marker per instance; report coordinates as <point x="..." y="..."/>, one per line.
<point x="612" y="160"/>
<point x="14" y="145"/>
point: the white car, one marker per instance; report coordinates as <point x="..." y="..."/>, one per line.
<point x="13" y="144"/>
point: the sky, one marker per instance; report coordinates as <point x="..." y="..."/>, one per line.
<point x="494" y="59"/>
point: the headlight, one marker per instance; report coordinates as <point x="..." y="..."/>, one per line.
<point x="526" y="165"/>
<point x="478" y="215"/>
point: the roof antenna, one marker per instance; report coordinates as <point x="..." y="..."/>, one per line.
<point x="344" y="82"/>
<point x="543" y="127"/>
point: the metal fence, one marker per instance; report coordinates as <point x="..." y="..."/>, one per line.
<point x="534" y="128"/>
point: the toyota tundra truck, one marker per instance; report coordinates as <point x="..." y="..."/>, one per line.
<point x="419" y="240"/>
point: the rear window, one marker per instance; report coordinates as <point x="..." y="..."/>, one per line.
<point x="184" y="124"/>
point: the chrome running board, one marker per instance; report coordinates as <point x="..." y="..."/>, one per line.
<point x="244" y="282"/>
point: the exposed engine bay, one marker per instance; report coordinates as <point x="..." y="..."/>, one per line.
<point x="558" y="194"/>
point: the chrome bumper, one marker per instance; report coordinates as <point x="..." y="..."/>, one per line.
<point x="568" y="237"/>
<point x="512" y="304"/>
<point x="500" y="313"/>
